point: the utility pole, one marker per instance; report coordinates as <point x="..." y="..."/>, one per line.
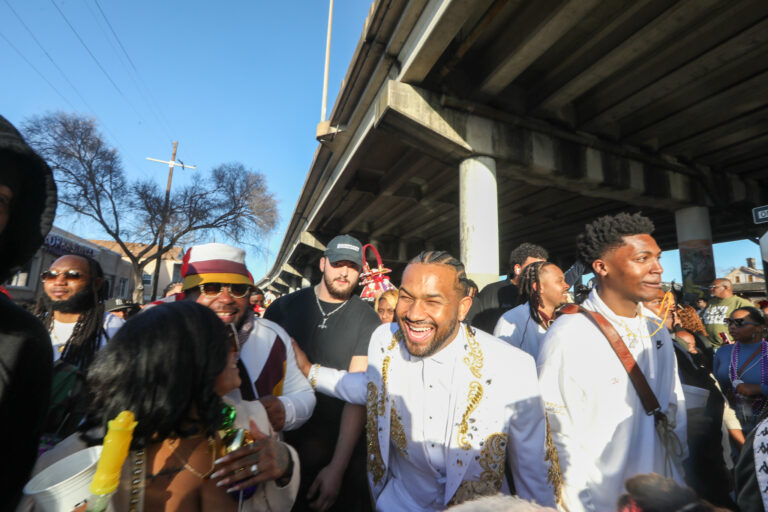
<point x="158" y="258"/>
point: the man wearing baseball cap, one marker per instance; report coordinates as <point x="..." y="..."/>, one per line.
<point x="331" y="324"/>
<point x="215" y="276"/>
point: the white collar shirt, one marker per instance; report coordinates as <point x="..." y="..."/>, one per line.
<point x="421" y="476"/>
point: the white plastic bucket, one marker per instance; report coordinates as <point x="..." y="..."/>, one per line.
<point x="64" y="484"/>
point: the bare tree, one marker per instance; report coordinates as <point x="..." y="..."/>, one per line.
<point x="230" y="200"/>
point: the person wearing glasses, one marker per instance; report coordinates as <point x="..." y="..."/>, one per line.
<point x="722" y="303"/>
<point x="742" y="367"/>
<point x="183" y="357"/>
<point x="72" y="309"/>
<point x="215" y="276"/>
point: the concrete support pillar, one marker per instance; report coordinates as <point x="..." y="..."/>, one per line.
<point x="479" y="219"/>
<point x="694" y="239"/>
<point x="305" y="277"/>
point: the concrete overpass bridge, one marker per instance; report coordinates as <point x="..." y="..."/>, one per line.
<point x="475" y="125"/>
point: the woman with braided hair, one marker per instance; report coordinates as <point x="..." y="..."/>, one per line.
<point x="543" y="288"/>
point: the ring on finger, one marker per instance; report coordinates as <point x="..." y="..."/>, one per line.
<point x="254" y="469"/>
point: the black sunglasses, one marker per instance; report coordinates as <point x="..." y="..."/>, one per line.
<point x="52" y="275"/>
<point x="739" y="322"/>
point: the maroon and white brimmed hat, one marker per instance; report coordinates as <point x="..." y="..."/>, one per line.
<point x="214" y="263"/>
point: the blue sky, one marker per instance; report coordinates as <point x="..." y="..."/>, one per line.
<point x="231" y="81"/>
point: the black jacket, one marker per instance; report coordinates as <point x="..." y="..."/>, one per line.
<point x="26" y="356"/>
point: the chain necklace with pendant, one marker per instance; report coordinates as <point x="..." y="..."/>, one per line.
<point x="327" y="315"/>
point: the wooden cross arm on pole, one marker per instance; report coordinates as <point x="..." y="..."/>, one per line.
<point x="172" y="163"/>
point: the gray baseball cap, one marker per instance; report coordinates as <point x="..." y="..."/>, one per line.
<point x="345" y="247"/>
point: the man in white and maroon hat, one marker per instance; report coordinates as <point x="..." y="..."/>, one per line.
<point x="215" y="276"/>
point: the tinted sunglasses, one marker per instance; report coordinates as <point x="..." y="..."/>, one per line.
<point x="69" y="275"/>
<point x="739" y="322"/>
<point x="238" y="291"/>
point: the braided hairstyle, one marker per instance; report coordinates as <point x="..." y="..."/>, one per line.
<point x="606" y="233"/>
<point x="530" y="276"/>
<point x="81" y="347"/>
<point x="444" y="258"/>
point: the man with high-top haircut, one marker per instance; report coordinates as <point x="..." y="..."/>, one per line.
<point x="598" y="422"/>
<point x="332" y="325"/>
<point x="448" y="406"/>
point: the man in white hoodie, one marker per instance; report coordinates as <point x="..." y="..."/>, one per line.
<point x="599" y="426"/>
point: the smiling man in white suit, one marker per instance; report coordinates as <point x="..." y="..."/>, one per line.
<point x="448" y="407"/>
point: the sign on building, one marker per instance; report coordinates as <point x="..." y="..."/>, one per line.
<point x="760" y="214"/>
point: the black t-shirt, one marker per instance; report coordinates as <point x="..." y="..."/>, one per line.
<point x="347" y="334"/>
<point x="492" y="302"/>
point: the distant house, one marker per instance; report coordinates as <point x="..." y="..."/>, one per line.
<point x="749" y="281"/>
<point x="26" y="286"/>
<point x="170" y="269"/>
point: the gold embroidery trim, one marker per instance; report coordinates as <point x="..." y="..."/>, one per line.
<point x="554" y="475"/>
<point x="492" y="459"/>
<point x="397" y="432"/>
<point x="374" y="460"/>
<point x="473" y="399"/>
<point x="475" y="358"/>
<point x="474" y="362"/>
<point x="469" y="490"/>
<point x="383" y="396"/>
<point x="396" y="338"/>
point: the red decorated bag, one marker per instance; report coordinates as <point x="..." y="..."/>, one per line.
<point x="373" y="280"/>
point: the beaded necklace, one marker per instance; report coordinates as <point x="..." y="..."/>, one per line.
<point x="757" y="403"/>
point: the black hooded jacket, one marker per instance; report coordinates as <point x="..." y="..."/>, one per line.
<point x="26" y="357"/>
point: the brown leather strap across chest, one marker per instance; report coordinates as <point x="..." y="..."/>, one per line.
<point x="647" y="397"/>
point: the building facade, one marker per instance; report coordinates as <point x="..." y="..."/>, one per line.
<point x="170" y="269"/>
<point x="748" y="281"/>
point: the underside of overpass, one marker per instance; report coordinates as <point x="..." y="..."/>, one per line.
<point x="585" y="108"/>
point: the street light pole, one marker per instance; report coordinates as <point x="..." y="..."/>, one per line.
<point x="327" y="62"/>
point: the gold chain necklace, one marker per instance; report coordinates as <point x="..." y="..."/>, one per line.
<point x="211" y="448"/>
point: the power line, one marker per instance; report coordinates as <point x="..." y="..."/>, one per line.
<point x="64" y="75"/>
<point x="37" y="71"/>
<point x="114" y="84"/>
<point x="34" y="38"/>
<point x="158" y="111"/>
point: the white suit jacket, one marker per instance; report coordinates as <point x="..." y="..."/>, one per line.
<point x="496" y="416"/>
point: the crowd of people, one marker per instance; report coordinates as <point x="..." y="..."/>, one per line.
<point x="617" y="396"/>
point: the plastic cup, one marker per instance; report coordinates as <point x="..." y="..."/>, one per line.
<point x="64" y="484"/>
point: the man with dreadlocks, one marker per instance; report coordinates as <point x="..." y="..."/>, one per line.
<point x="72" y="308"/>
<point x="543" y="287"/>
<point x="448" y="407"/>
<point x="599" y="420"/>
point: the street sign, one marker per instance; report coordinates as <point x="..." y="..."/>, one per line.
<point x="760" y="214"/>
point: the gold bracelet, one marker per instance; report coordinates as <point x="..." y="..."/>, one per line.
<point x="313" y="375"/>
